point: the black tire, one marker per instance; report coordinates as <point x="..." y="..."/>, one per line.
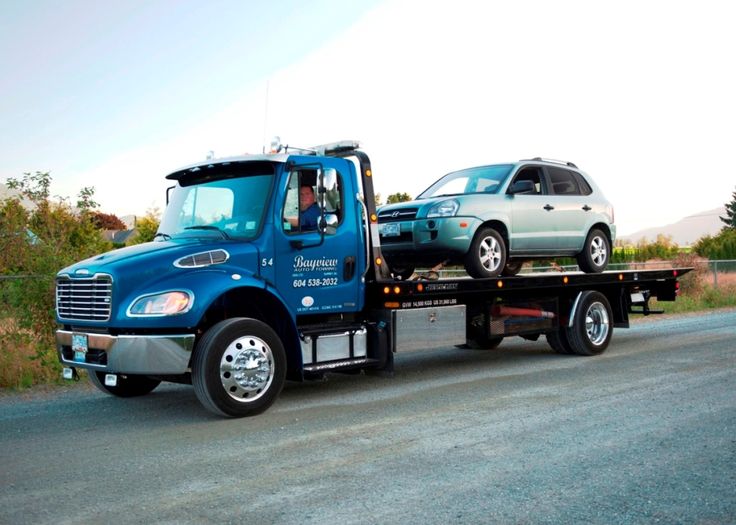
<point x="487" y="254"/>
<point x="559" y="342"/>
<point x="239" y="367"/>
<point x="592" y="326"/>
<point x="485" y="342"/>
<point x="596" y="252"/>
<point x="512" y="267"/>
<point x="128" y="385"/>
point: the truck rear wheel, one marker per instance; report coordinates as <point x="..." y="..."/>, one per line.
<point x="559" y="342"/>
<point x="591" y="329"/>
<point x="239" y="367"/>
<point x="127" y="385"/>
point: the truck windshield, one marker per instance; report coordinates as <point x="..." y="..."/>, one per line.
<point x="229" y="207"/>
<point x="483" y="179"/>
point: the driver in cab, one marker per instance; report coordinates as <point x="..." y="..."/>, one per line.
<point x="309" y="211"/>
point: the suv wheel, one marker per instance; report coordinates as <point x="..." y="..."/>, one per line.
<point x="487" y="254"/>
<point x="596" y="252"/>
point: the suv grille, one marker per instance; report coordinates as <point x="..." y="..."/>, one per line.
<point x="87" y="299"/>
<point x="397" y="215"/>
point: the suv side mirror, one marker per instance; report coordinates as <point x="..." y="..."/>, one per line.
<point x="521" y="186"/>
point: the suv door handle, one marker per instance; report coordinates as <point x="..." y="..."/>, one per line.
<point x="548" y="207"/>
<point x="587" y="208"/>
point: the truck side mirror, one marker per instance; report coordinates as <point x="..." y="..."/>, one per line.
<point x="328" y="224"/>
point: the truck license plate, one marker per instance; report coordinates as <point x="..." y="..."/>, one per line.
<point x="389" y="230"/>
<point x="80" y="346"/>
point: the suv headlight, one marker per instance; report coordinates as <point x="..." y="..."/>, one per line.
<point x="444" y="209"/>
<point x="165" y="303"/>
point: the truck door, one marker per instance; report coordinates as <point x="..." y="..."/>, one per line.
<point x="319" y="256"/>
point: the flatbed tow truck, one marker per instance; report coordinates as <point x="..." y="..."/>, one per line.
<point x="235" y="296"/>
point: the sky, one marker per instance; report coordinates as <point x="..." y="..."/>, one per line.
<point x="641" y="95"/>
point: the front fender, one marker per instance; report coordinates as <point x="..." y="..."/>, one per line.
<point x="206" y="286"/>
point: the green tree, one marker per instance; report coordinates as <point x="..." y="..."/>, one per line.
<point x="721" y="246"/>
<point x="398" y="197"/>
<point x="147" y="226"/>
<point x="35" y="243"/>
<point x="730" y="219"/>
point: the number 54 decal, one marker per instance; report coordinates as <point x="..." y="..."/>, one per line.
<point x="267" y="262"/>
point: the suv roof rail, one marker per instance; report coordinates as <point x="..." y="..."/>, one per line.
<point x="563" y="162"/>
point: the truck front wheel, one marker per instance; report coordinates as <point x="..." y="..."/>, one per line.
<point x="127" y="385"/>
<point x="239" y="367"/>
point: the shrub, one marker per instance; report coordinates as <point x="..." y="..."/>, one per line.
<point x="34" y="245"/>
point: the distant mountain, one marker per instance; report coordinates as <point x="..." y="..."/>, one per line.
<point x="685" y="231"/>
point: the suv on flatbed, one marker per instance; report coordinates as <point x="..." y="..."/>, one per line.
<point x="493" y="218"/>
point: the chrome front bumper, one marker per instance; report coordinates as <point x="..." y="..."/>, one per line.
<point x="129" y="354"/>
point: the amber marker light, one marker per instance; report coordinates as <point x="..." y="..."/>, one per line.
<point x="620" y="277"/>
<point x="379" y="262"/>
<point x="463" y="224"/>
<point x="565" y="279"/>
<point x="386" y="290"/>
<point x="368" y="173"/>
<point x="373" y="217"/>
<point x="420" y="287"/>
<point x="397" y="290"/>
<point x="499" y="284"/>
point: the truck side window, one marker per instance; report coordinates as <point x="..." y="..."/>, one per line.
<point x="303" y="204"/>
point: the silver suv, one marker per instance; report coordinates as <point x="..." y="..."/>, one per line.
<point x="493" y="218"/>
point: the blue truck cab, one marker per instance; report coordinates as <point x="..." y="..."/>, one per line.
<point x="233" y="260"/>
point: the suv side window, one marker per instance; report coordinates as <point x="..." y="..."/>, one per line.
<point x="534" y="174"/>
<point x="585" y="188"/>
<point x="563" y="182"/>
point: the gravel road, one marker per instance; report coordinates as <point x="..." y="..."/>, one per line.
<point x="645" y="433"/>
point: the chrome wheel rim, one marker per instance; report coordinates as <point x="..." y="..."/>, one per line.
<point x="246" y="369"/>
<point x="490" y="254"/>
<point x="597" y="323"/>
<point x="598" y="251"/>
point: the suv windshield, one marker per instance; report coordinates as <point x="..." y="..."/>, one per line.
<point x="230" y="207"/>
<point x="483" y="179"/>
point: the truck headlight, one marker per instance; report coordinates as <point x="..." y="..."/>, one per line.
<point x="165" y="303"/>
<point x="444" y="209"/>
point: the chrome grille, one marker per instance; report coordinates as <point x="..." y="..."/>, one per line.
<point x="87" y="299"/>
<point x="397" y="215"/>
